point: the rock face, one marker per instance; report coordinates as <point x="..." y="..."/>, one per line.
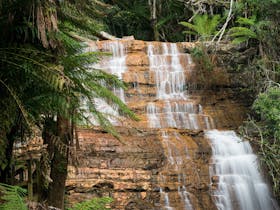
<point x="162" y="160"/>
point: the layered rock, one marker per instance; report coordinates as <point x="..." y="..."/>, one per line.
<point x="164" y="165"/>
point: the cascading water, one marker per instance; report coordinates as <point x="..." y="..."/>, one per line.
<point x="173" y="109"/>
<point x="169" y="73"/>
<point x="116" y="65"/>
<point x="240" y="184"/>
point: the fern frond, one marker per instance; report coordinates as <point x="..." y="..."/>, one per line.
<point x="24" y="113"/>
<point x="100" y="91"/>
<point x="247" y="21"/>
<point x="13" y="197"/>
<point x="242" y="31"/>
<point x="96" y="204"/>
<point x="240" y="40"/>
<point x="52" y="75"/>
<point x="203" y="25"/>
<point x="189" y="25"/>
<point x="102" y="120"/>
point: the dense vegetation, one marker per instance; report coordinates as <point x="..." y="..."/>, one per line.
<point x="45" y="73"/>
<point x="44" y="70"/>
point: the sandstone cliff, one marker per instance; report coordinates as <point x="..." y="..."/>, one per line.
<point x="157" y="166"/>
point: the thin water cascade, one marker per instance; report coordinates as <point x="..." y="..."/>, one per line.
<point x="169" y="73"/>
<point x="240" y="184"/>
<point x="116" y="65"/>
<point x="176" y="160"/>
<point x="175" y="110"/>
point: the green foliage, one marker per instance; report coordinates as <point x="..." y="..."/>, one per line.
<point x="129" y="18"/>
<point x="261" y="32"/>
<point x="12" y="197"/>
<point x="94" y="204"/>
<point x="134" y="18"/>
<point x="203" y="25"/>
<point x="47" y="73"/>
<point x="79" y="19"/>
<point x="202" y="58"/>
<point x="267" y="131"/>
<point x="244" y="33"/>
<point x="268" y="106"/>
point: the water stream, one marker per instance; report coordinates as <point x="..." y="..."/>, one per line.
<point x="240" y="185"/>
<point x="172" y="108"/>
<point x="114" y="64"/>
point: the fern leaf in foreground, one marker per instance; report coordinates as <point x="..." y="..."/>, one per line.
<point x="94" y="204"/>
<point x="12" y="197"/>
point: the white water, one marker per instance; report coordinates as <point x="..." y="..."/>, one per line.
<point x="240" y="184"/>
<point x="116" y="65"/>
<point x="169" y="73"/>
<point x="176" y="110"/>
<point x="172" y="110"/>
<point x="175" y="159"/>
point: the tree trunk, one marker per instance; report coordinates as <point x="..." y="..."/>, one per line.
<point x="153" y="11"/>
<point x="6" y="173"/>
<point x="59" y="164"/>
<point x="49" y="129"/>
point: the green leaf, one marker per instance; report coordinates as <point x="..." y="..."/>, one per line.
<point x="240" y="40"/>
<point x="13" y="197"/>
<point x="94" y="204"/>
<point x="247" y="21"/>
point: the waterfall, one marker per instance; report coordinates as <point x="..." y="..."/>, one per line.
<point x="169" y="73"/>
<point x="237" y="183"/>
<point x="240" y="184"/>
<point x="172" y="108"/>
<point x="175" y="110"/>
<point x="114" y="64"/>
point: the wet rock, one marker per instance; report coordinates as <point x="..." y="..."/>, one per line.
<point x="215" y="179"/>
<point x="148" y="166"/>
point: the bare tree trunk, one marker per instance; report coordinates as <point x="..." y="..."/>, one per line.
<point x="59" y="164"/>
<point x="222" y="30"/>
<point x="153" y="11"/>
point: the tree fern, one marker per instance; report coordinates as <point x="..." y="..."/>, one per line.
<point x="12" y="197"/>
<point x="242" y="34"/>
<point x="203" y="25"/>
<point x="49" y="72"/>
<point x="246" y="31"/>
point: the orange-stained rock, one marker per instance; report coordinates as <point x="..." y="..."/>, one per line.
<point x="137" y="59"/>
<point x="138" y="45"/>
<point x="136" y="168"/>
